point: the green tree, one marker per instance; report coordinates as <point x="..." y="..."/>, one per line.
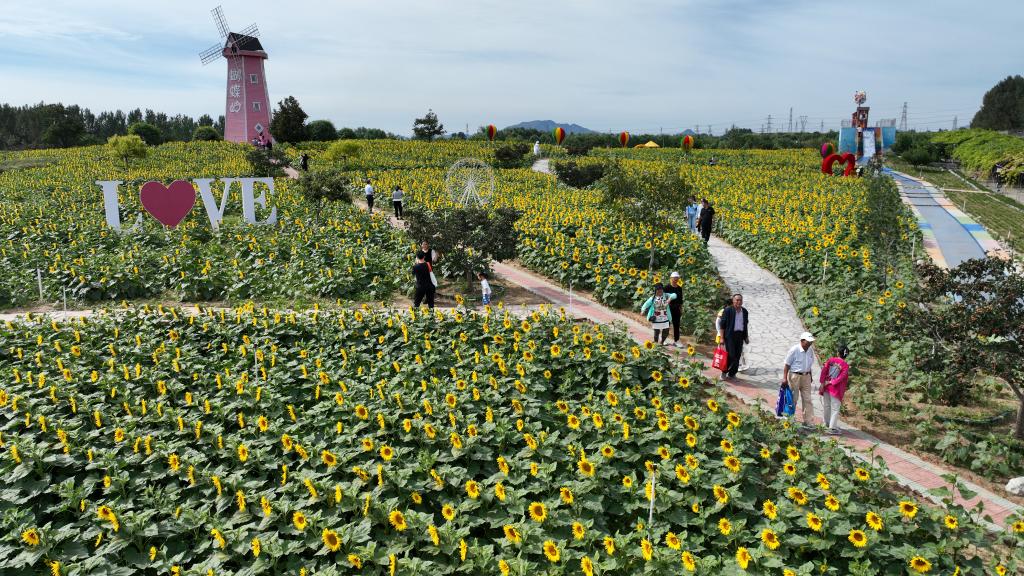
<point x="342" y="152"/>
<point x="66" y="127"/>
<point x="289" y="122"/>
<point x="973" y="316"/>
<point x="428" y="127"/>
<point x="150" y="134"/>
<point x="467" y="238"/>
<point x="208" y="133"/>
<point x="321" y="131"/>
<point x="578" y="175"/>
<point x="512" y="155"/>
<point x="267" y="162"/>
<point x="324" y="186"/>
<point x="1002" y="107"/>
<point x="652" y="197"/>
<point x="127" y="147"/>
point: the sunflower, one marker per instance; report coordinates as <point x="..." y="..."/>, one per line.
<point x="361" y="412"/>
<point x="908" y="509"/>
<point x="243" y="452"/>
<point x="770" y="538"/>
<point x="727" y="446"/>
<point x="648" y="345"/>
<point x="874" y="521"/>
<point x="387" y="452"/>
<point x="587" y="566"/>
<point x="551" y="551"/>
<point x="858" y="538"/>
<point x="656" y="376"/>
<point x="556" y="351"/>
<point x="328" y="458"/>
<point x="789" y="468"/>
<point x="673" y="541"/>
<point x="692" y="461"/>
<point x="920" y="565"/>
<point x="770" y="509"/>
<point x="823" y="482"/>
<point x="712" y="405"/>
<point x="724" y="526"/>
<point x="562" y="406"/>
<point x="664" y="453"/>
<point x="504" y="567"/>
<point x="448" y="512"/>
<point x="691" y="439"/>
<point x="732" y="463"/>
<point x="797" y="495"/>
<point x="814" y="522"/>
<point x="721" y="494"/>
<point x="607" y="451"/>
<point x="1018" y="526"/>
<point x="586" y="468"/>
<point x="473" y="489"/>
<point x="578" y="531"/>
<point x="397" y="520"/>
<point x="331" y="540"/>
<point x="743" y="557"/>
<point x="627" y="482"/>
<point x="355" y="561"/>
<point x="565" y="494"/>
<point x="832" y="503"/>
<point x="254" y="544"/>
<point x="792" y="453"/>
<point x="367" y="444"/>
<point x="950" y="522"/>
<point x="299" y="520"/>
<point x="689" y="562"/>
<point x="646" y="549"/>
<point x="512" y="534"/>
<point x="682" y="474"/>
<point x="572" y="421"/>
<point x="538" y="511"/>
<point x="30" y="537"/>
<point x="503" y="465"/>
<point x="499" y="491"/>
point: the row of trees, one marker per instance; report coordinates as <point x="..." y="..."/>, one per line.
<point x="58" y="126"/>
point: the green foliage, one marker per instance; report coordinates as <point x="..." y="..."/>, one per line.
<point x="342" y="152"/>
<point x="150" y="134"/>
<point x="981" y="150"/>
<point x="324" y="186"/>
<point x="206" y="133"/>
<point x="1002" y="107"/>
<point x="321" y="131"/>
<point x="127" y="148"/>
<point x="428" y="127"/>
<point x="578" y="174"/>
<point x="264" y="162"/>
<point x="289" y="121"/>
<point x="363" y="133"/>
<point x="514" y="155"/>
<point x="467" y="238"/>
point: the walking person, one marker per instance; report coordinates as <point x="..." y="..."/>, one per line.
<point x="428" y="254"/>
<point x="691" y="214"/>
<point x="304" y="162"/>
<point x="834" y="379"/>
<point x="706" y="220"/>
<point x="675" y="305"/>
<point x="485" y="289"/>
<point x="425" y="288"/>
<point x="369" y="195"/>
<point x="735" y="326"/>
<point x="396" y="199"/>
<point x="656" y="309"/>
<point x="536" y="148"/>
<point x="797" y="374"/>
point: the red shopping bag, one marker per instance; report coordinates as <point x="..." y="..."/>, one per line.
<point x="720" y="361"/>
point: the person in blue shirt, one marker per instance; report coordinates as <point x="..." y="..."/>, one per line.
<point x="691" y="214"/>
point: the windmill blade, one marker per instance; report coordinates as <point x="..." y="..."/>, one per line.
<point x="210" y="54"/>
<point x="250" y="30"/>
<point x="220" y="21"/>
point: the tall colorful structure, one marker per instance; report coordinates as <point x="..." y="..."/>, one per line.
<point x="857" y="137"/>
<point x="247" y="104"/>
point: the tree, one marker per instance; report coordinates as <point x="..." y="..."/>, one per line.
<point x="321" y="131"/>
<point x="1002" y="107"/>
<point x="208" y="133"/>
<point x="289" y="122"/>
<point x="267" y="162"/>
<point x="150" y="134"/>
<point x="66" y="127"/>
<point x="428" y="127"/>
<point x="324" y="186"/>
<point x="205" y="120"/>
<point x="650" y="197"/>
<point x="342" y="152"/>
<point x="578" y="174"/>
<point x="511" y="155"/>
<point x="973" y="315"/>
<point x="127" y="147"/>
<point x="467" y="238"/>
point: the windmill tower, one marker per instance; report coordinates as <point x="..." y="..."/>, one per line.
<point x="247" y="104"/>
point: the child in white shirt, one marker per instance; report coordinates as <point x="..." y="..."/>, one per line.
<point x="485" y="289"/>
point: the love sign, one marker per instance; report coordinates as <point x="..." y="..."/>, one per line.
<point x="170" y="204"/>
<point x="849" y="159"/>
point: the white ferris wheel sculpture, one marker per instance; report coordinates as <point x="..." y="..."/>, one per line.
<point x="470" y="183"/>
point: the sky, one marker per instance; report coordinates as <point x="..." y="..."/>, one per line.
<point x="608" y="65"/>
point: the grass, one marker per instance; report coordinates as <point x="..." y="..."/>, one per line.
<point x="1001" y="216"/>
<point x="939" y="177"/>
<point x="22" y="163"/>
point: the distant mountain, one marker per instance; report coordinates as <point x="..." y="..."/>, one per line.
<point x="549" y="125"/>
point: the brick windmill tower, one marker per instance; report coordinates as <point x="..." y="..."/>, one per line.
<point x="247" y="105"/>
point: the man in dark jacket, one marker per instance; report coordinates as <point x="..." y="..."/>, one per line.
<point x="425" y="288"/>
<point x="707" y="220"/>
<point x="735" y="326"/>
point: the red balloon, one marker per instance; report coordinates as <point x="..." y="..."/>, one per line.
<point x="559" y="134"/>
<point x="491" y="131"/>
<point x="624" y="138"/>
<point x="687" y="142"/>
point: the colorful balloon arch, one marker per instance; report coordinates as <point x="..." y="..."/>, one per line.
<point x="624" y="138"/>
<point x="559" y="134"/>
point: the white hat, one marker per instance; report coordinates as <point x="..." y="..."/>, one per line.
<point x="674" y="275"/>
<point x="807" y="336"/>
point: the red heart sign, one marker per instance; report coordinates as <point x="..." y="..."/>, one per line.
<point x="168" y="204"/>
<point x="849" y="159"/>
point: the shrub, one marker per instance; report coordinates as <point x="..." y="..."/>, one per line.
<point x="579" y="174"/>
<point x="208" y="133"/>
<point x="511" y="155"/>
<point x="150" y="134"/>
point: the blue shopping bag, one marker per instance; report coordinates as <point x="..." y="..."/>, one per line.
<point x="784" y="406"/>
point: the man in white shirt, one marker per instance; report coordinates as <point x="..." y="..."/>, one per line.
<point x="797" y="373"/>
<point x="369" y="195"/>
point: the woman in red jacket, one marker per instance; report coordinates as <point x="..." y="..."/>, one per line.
<point x="835" y="376"/>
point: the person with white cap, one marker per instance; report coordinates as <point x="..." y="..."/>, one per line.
<point x="797" y="374"/>
<point x="675" y="306"/>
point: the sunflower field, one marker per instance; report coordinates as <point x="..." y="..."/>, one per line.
<point x="51" y="220"/>
<point x="378" y="441"/>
